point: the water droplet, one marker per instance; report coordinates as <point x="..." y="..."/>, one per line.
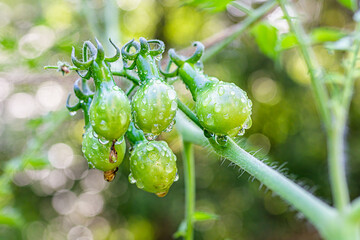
<point x="232" y="93"/>
<point x="103" y="141"/>
<point x="153" y="156"/>
<point x="95" y="146"/>
<point x="91" y="165"/>
<point x="221" y="91"/>
<point x="249" y="103"/>
<point x="241" y="132"/>
<point x="171" y="94"/>
<point x="226" y="116"/>
<point x="243" y="100"/>
<point x="131" y="179"/>
<point x="119" y="141"/>
<point x="72" y="113"/>
<point x="139" y="184"/>
<point x="208" y="134"/>
<point x="170" y="127"/>
<point x="150" y="136"/>
<point x="102" y="122"/>
<point x="116" y="88"/>
<point x="221" y="140"/>
<point x="158" y="57"/>
<point x="248" y="123"/>
<point x="176" y="177"/>
<point x="95" y="134"/>
<point x="174" y="105"/>
<point x="209" y="115"/>
<point x="206" y="101"/>
<point x="217" y="107"/>
<point x="161" y="115"/>
<point x="149" y="147"/>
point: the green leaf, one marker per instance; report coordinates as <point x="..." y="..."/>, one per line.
<point x="320" y="35"/>
<point x="287" y="40"/>
<point x="266" y="37"/>
<point x="35" y="123"/>
<point x="37" y="162"/>
<point x="204" y="216"/>
<point x="212" y="5"/>
<point x="11" y="217"/>
<point x="351" y="4"/>
<point x="181" y="232"/>
<point x="344" y="44"/>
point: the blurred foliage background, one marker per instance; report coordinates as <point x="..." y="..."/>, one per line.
<point x="46" y="189"/>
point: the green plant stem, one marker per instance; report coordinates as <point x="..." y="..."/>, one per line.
<point x="57" y="67"/>
<point x="255" y="15"/>
<point x="350" y="78"/>
<point x="336" y="162"/>
<point x="318" y="212"/>
<point x="189" y="175"/>
<point x="241" y="7"/>
<point x="334" y="124"/>
<point x="315" y="72"/>
<point x="188" y="113"/>
<point x="127" y="74"/>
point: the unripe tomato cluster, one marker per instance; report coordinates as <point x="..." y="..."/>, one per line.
<point x="223" y="109"/>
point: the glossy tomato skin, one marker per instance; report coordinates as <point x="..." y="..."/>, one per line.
<point x="110" y="112"/>
<point x="97" y="153"/>
<point x="154" y="106"/>
<point x="153" y="167"/>
<point x="223" y="108"/>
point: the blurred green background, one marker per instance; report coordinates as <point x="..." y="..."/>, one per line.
<point x="65" y="200"/>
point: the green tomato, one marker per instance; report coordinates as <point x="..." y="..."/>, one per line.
<point x="153" y="167"/>
<point x="154" y="107"/>
<point x="224" y="109"/>
<point x="110" y="112"/>
<point x="98" y="154"/>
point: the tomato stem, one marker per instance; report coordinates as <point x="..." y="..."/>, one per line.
<point x="190" y="188"/>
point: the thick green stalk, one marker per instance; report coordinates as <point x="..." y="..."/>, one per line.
<point x="318" y="212"/>
<point x="255" y="15"/>
<point x="189" y="175"/>
<point x="336" y="161"/>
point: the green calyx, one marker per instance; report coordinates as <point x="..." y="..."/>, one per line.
<point x="189" y="71"/>
<point x="135" y="135"/>
<point x="144" y="57"/>
<point x="153" y="167"/>
<point x="110" y="111"/>
<point x="84" y="96"/>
